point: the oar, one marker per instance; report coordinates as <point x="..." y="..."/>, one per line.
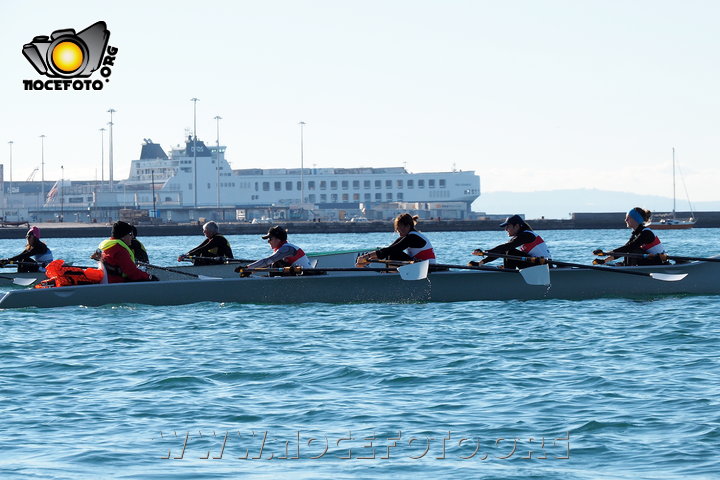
<point x="201" y="277"/>
<point x="14" y="263"/>
<point x="537" y="275"/>
<point x="662" y="256"/>
<point x="23" y="282"/>
<point x="413" y="271"/>
<point x="665" y="277"/>
<point x="215" y="259"/>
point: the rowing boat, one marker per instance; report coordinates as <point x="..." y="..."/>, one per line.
<point x="337" y="259"/>
<point x="227" y="270"/>
<point x="375" y="287"/>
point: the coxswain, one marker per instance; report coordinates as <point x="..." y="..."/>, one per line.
<point x="524" y="242"/>
<point x="34" y="257"/>
<point x="411" y="245"/>
<point x="118" y="258"/>
<point x="215" y="247"/>
<point x="285" y="254"/>
<point x="642" y="241"/>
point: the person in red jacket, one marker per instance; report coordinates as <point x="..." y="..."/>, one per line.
<point x="117" y="257"/>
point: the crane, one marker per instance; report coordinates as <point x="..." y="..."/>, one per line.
<point x="32" y="175"/>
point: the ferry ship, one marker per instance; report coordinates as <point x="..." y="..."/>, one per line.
<point x="217" y="182"/>
<point x="195" y="180"/>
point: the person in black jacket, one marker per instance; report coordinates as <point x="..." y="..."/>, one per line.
<point x="35" y="255"/>
<point x="411" y="245"/>
<point x="642" y="241"/>
<point x="524" y="242"/>
<point x="215" y="247"/>
<point x="138" y="248"/>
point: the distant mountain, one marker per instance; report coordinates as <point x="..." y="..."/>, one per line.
<point x="561" y="203"/>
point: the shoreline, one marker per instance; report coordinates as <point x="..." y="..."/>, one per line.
<point x="603" y="221"/>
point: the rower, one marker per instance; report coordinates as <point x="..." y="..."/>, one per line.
<point x="411" y="245"/>
<point x="138" y="248"/>
<point x="642" y="241"/>
<point x="35" y="255"/>
<point x="524" y="242"/>
<point x="285" y="254"/>
<point x="117" y="257"/>
<point x="214" y="245"/>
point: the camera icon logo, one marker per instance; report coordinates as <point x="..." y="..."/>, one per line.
<point x="68" y="54"/>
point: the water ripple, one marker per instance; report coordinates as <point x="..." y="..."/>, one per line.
<point x="636" y="385"/>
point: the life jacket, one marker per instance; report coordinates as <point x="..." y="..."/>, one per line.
<point x="60" y="275"/>
<point x="655" y="246"/>
<point x="423" y="253"/>
<point x="107" y="245"/>
<point x="299" y="259"/>
<point x="536" y="248"/>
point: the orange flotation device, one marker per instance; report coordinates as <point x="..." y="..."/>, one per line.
<point x="61" y="275"/>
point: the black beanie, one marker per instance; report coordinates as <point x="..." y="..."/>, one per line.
<point x="120" y="229"/>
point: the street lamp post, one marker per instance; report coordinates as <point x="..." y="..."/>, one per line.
<point x="102" y="156"/>
<point x="195" y="100"/>
<point x="152" y="182"/>
<point x="217" y="159"/>
<point x="62" y="193"/>
<point x="42" y="168"/>
<point x="110" y="150"/>
<point x="11" y="144"/>
<point x="302" y="167"/>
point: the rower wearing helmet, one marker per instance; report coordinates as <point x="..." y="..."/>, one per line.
<point x="35" y="255"/>
<point x="524" y="242"/>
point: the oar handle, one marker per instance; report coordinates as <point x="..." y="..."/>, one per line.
<point x="600" y="253"/>
<point x="6" y="261"/>
<point x="472" y="267"/>
<point x="385" y="261"/>
<point x="663" y="256"/>
<point x="538" y="260"/>
<point x="243" y="271"/>
<point x="576" y="265"/>
<point x="168" y="269"/>
<point x="215" y="259"/>
<point x="439" y="266"/>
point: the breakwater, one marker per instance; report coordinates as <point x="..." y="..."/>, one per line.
<point x="608" y="220"/>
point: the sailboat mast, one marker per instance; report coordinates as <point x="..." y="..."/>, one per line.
<point x="673" y="156"/>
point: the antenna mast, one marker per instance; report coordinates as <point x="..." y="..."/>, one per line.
<point x="673" y="156"/>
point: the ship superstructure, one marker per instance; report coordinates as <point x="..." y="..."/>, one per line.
<point x="286" y="186"/>
<point x="195" y="179"/>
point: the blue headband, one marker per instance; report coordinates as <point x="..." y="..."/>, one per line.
<point x="635" y="215"/>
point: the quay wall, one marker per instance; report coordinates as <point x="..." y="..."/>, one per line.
<point x="610" y="220"/>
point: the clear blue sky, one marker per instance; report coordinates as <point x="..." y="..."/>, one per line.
<point x="532" y="95"/>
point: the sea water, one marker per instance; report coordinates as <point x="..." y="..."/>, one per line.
<point x="595" y="389"/>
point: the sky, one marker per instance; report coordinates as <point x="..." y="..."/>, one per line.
<point x="531" y="95"/>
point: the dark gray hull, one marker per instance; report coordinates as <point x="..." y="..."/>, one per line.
<point x="454" y="286"/>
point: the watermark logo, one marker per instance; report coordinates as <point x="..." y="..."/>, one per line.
<point x="68" y="56"/>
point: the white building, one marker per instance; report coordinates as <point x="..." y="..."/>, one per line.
<point x="195" y="181"/>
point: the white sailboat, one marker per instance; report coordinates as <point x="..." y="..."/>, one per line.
<point x="674" y="223"/>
